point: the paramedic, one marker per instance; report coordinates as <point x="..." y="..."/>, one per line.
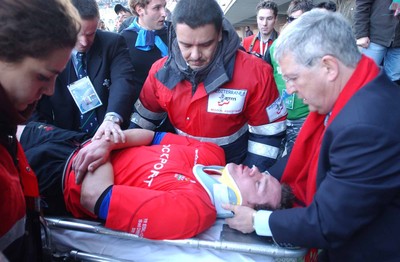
<point x="212" y="91"/>
<point x="32" y="53"/>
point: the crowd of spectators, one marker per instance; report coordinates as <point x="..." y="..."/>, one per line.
<point x="111" y="3"/>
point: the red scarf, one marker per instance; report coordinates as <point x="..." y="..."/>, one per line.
<point x="301" y="170"/>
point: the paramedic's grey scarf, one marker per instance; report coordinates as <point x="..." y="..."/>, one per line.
<point x="214" y="75"/>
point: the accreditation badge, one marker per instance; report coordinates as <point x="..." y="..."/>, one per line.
<point x="84" y="95"/>
<point x="226" y="101"/>
<point x="288" y="100"/>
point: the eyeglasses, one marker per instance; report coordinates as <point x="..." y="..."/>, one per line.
<point x="290" y="19"/>
<point x="289" y="79"/>
<point x="310" y="64"/>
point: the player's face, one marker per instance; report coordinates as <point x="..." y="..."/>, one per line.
<point x="256" y="188"/>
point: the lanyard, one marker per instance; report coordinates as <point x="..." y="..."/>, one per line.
<point x="262" y="51"/>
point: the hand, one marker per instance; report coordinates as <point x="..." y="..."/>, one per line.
<point x="90" y="158"/>
<point x="363" y="42"/>
<point x="243" y="218"/>
<point x="108" y="129"/>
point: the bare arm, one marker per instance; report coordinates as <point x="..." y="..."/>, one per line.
<point x="94" y="185"/>
<point x="92" y="156"/>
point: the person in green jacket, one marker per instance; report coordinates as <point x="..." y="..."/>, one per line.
<point x="297" y="110"/>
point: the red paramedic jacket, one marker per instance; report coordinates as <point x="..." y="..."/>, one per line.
<point x="248" y="102"/>
<point x="189" y="113"/>
<point x="14" y="187"/>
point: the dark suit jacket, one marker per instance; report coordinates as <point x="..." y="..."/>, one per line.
<point x="355" y="214"/>
<point x="111" y="72"/>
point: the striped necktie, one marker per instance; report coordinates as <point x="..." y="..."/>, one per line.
<point x="88" y="121"/>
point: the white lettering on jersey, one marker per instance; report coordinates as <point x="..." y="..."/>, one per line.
<point x="160" y="165"/>
<point x="196" y="156"/>
<point x="141" y="227"/>
<point x="226" y="101"/>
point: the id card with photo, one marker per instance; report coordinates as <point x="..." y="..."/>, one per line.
<point x="84" y="95"/>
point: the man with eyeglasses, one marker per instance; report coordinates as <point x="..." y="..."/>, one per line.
<point x="344" y="166"/>
<point x="297" y="110"/>
<point x="259" y="44"/>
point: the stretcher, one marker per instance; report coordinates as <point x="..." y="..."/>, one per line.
<point x="70" y="239"/>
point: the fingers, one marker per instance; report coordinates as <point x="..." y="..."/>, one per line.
<point x="77" y="163"/>
<point x="107" y="134"/>
<point x="363" y="42"/>
<point x="229" y="207"/>
<point x="242" y="219"/>
<point x="117" y="134"/>
<point x="85" y="167"/>
<point x="79" y="178"/>
<point x="99" y="133"/>
<point x="110" y="130"/>
<point x="104" y="129"/>
<point x="95" y="164"/>
<point x="90" y="163"/>
<point x="80" y="171"/>
<point x="80" y="168"/>
<point x="81" y="164"/>
<point x="122" y="135"/>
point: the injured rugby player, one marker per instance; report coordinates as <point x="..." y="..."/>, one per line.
<point x="183" y="199"/>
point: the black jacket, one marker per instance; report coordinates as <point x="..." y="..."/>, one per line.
<point x="111" y="72"/>
<point x="373" y="18"/>
<point x="142" y="60"/>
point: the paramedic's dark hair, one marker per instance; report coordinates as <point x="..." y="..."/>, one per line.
<point x="197" y="13"/>
<point x="268" y="5"/>
<point x="88" y="9"/>
<point x="287" y="199"/>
